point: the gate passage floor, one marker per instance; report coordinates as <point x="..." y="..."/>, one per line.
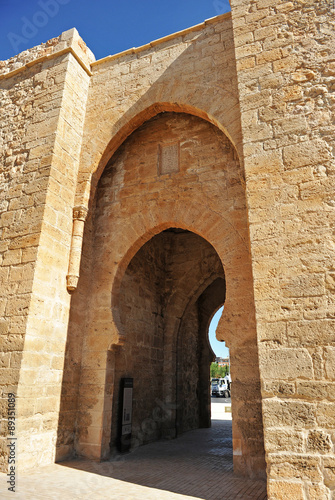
<point x="197" y="465"/>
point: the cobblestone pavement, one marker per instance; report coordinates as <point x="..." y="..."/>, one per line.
<point x="198" y="465"/>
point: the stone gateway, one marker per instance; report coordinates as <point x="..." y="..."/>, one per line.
<point x="140" y="193"/>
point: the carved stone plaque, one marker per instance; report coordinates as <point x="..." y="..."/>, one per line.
<point x="168" y="158"/>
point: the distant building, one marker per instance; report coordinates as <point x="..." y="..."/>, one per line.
<point x="222" y="361"/>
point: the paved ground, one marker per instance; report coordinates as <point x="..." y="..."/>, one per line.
<point x="221" y="400"/>
<point x="198" y="465"/>
<point x="221" y="408"/>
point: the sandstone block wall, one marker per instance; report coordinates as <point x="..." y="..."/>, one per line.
<point x="177" y="73"/>
<point x="142" y="357"/>
<point x="285" y="66"/>
<point x="262" y="196"/>
<point x="44" y="93"/>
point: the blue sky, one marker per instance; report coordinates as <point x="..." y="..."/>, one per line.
<point x="107" y="27"/>
<point x="219" y="348"/>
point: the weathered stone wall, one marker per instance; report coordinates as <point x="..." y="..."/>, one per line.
<point x="285" y="65"/>
<point x="188" y="357"/>
<point x="192" y="71"/>
<point x="142" y="356"/>
<point x="42" y="112"/>
<point x="208" y="303"/>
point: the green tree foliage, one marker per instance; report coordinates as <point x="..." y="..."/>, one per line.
<point x="214" y="370"/>
<point x="217" y="371"/>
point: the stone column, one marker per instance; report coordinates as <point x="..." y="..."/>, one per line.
<point x="79" y="217"/>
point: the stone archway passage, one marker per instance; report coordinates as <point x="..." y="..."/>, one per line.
<point x="162" y="304"/>
<point x="83" y="134"/>
<point x="173" y="188"/>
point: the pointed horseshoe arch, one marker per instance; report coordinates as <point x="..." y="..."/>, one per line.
<point x="134" y="205"/>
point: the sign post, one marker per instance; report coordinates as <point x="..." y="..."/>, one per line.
<point x="126" y="406"/>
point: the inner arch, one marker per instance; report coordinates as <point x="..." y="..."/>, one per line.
<point x="168" y="293"/>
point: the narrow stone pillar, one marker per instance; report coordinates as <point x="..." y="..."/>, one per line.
<point x="79" y="217"/>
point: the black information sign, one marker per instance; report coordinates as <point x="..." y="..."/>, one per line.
<point x="125" y="419"/>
